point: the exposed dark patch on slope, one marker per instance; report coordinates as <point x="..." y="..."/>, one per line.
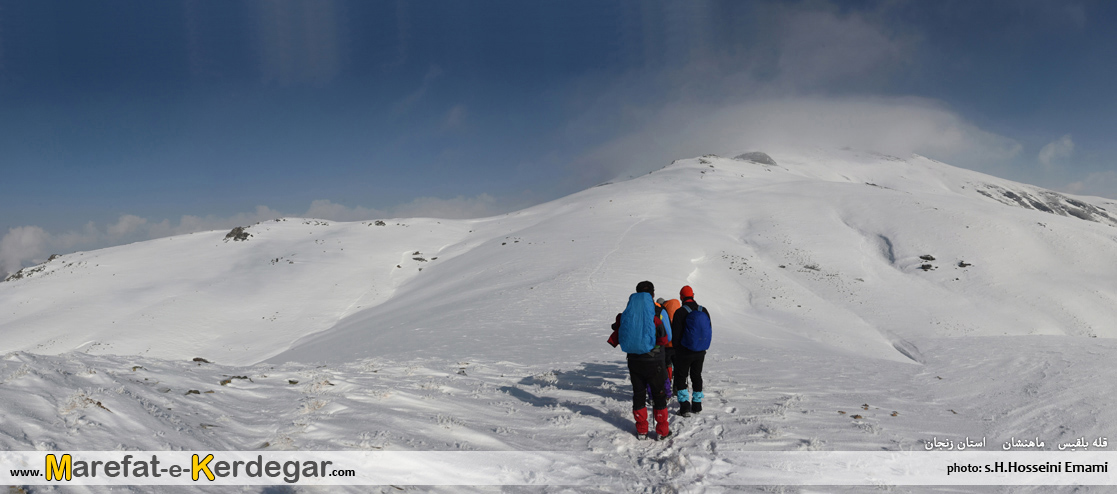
<point x="756" y="157"/>
<point x="905" y="347"/>
<point x="1048" y="202"/>
<point x="30" y="271"/>
<point x="889" y="252"/>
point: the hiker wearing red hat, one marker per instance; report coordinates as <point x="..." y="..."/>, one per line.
<point x="690" y="331"/>
<point x="686" y="292"/>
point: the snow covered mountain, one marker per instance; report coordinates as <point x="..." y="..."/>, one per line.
<point x="858" y="252"/>
<point x="928" y="299"/>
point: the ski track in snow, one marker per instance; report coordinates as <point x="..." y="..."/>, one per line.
<point x="616" y="247"/>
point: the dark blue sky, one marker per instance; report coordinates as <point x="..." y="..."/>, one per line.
<point x="122" y="120"/>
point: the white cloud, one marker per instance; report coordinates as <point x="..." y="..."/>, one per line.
<point x="799" y="81"/>
<point x="20" y="244"/>
<point x="68" y="240"/>
<point x="1100" y="184"/>
<point x="898" y="126"/>
<point x="1056" y="151"/>
<point x="125" y="225"/>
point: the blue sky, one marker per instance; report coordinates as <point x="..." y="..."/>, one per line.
<point x="127" y="120"/>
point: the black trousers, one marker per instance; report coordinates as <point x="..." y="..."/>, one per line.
<point x="688" y="364"/>
<point x="644" y="372"/>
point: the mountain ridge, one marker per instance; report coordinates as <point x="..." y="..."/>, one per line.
<point x="821" y="248"/>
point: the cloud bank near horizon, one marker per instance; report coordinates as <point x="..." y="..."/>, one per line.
<point x="811" y="77"/>
<point x="898" y="126"/>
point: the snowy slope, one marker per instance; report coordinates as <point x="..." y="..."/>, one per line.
<point x="848" y="228"/>
<point x="758" y="400"/>
<point x="489" y="333"/>
<point x="848" y="232"/>
<point x="202" y="294"/>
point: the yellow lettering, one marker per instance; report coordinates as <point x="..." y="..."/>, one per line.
<point x="197" y="467"/>
<point x="56" y="471"/>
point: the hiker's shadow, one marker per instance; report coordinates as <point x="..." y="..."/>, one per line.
<point x="607" y="380"/>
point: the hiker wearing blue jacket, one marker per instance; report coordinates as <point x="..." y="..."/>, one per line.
<point x="643" y="333"/>
<point x="691" y="331"/>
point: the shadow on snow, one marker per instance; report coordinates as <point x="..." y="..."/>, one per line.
<point x="591" y="378"/>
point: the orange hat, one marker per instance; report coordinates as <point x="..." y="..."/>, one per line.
<point x="686" y="292"/>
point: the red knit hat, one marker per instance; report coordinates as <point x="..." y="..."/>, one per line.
<point x="686" y="292"/>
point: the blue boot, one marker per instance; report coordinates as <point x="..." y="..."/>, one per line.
<point x="684" y="402"/>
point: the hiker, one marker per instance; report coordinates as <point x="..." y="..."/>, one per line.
<point x="691" y="330"/>
<point x="671" y="306"/>
<point x="669" y="352"/>
<point x="660" y="319"/>
<point x="642" y="331"/>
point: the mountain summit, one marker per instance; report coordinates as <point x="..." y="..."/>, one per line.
<point x="853" y="252"/>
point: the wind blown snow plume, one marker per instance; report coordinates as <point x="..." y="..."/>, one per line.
<point x="897" y="126"/>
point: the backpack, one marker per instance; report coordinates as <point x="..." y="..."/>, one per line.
<point x="671" y="306"/>
<point x="696" y="331"/>
<point x="637" y="330"/>
<point x="661" y="315"/>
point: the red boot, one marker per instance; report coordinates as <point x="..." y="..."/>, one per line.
<point x="641" y="417"/>
<point x="661" y="427"/>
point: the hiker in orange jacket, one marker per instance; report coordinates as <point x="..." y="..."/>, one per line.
<point x="671" y="306"/>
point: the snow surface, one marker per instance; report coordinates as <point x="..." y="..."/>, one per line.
<point x="489" y="334"/>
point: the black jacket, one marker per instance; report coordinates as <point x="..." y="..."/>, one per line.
<point x="678" y="324"/>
